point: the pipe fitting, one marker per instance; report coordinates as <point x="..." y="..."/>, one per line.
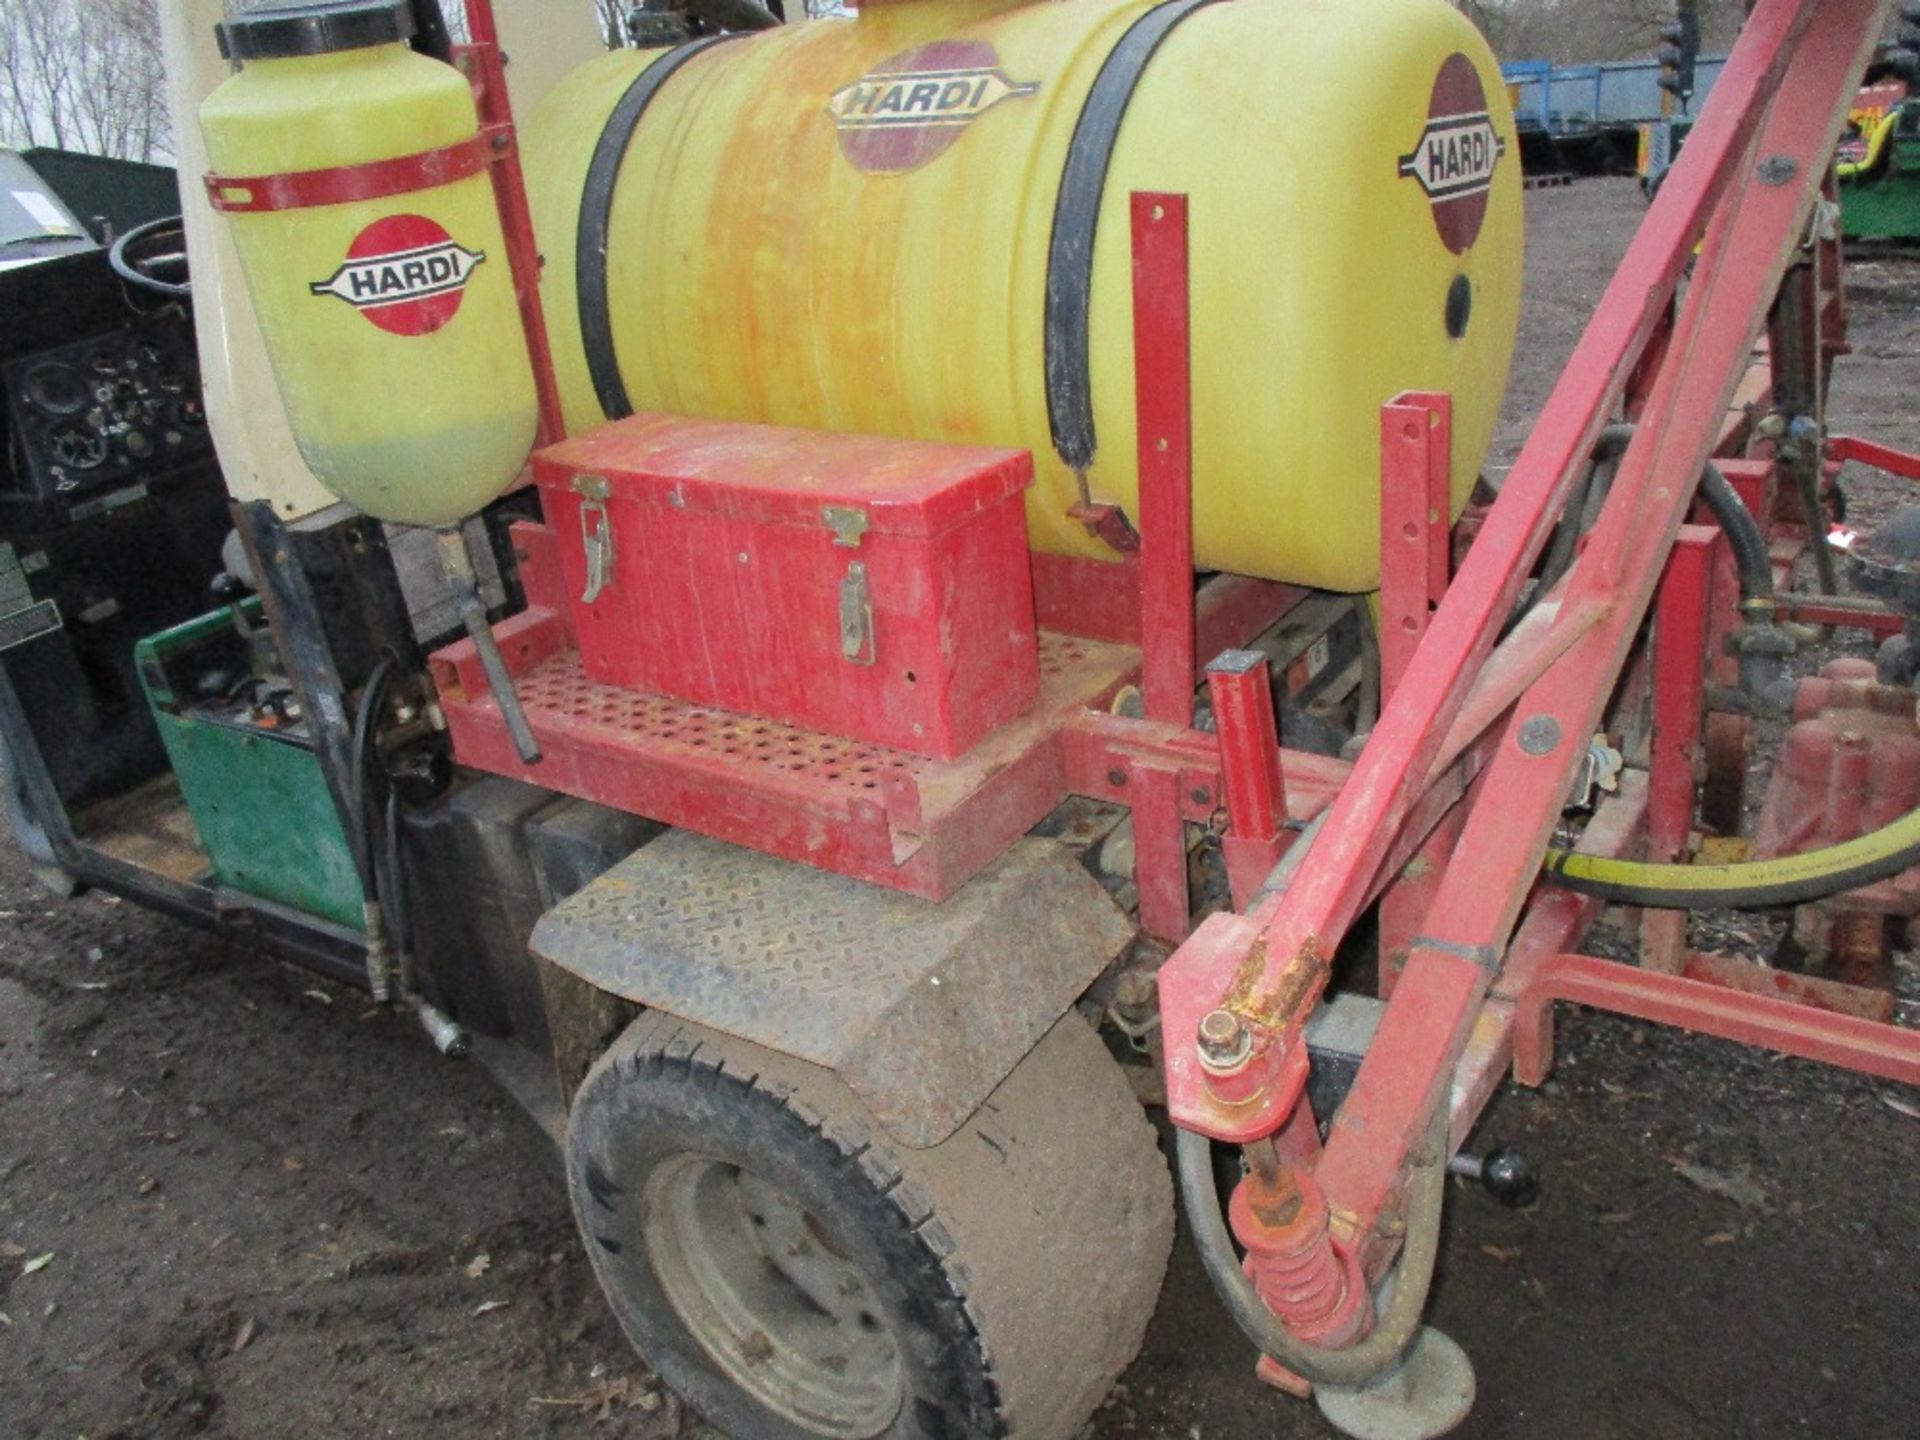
<point x="379" y="958"/>
<point x="448" y="1035"/>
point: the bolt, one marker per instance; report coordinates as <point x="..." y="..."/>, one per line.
<point x="1116" y="777"/>
<point x="1540" y="735"/>
<point x="1224" y="1041"/>
<point x="1202" y="796"/>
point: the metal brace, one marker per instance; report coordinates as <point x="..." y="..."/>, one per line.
<point x="596" y="535"/>
<point x="856" y="616"/>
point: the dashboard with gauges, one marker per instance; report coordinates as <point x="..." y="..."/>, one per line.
<point x="112" y="512"/>
<point x="95" y="421"/>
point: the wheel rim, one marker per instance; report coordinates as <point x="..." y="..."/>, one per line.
<point x="760" y="1285"/>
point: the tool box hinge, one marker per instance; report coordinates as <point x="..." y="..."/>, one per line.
<point x="847" y="522"/>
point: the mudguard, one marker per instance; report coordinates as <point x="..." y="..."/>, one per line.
<point x="921" y="1008"/>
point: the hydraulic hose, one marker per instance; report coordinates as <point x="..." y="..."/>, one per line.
<point x="365" y="830"/>
<point x="1354" y="1365"/>
<point x="1744" y="535"/>
<point x="1752" y="884"/>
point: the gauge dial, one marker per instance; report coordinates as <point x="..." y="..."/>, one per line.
<point x="77" y="447"/>
<point x="55" y="389"/>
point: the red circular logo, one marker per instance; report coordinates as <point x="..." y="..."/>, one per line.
<point x="912" y="106"/>
<point x="1457" y="154"/>
<point x="405" y="273"/>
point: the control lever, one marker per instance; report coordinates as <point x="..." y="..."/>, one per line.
<point x="1507" y="1175"/>
<point x="456" y="568"/>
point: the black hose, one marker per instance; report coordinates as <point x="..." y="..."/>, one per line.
<point x="394" y="895"/>
<point x="1751" y="554"/>
<point x="1566" y="535"/>
<point x="1354" y="1365"/>
<point x="365" y="831"/>
<point x="1744" y="535"/>
<point x="1748" y="541"/>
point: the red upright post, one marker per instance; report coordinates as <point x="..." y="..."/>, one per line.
<point x="1416" y="501"/>
<point x="1241" y="686"/>
<point x="487" y="72"/>
<point x="1679" y="702"/>
<point x="1163" y="409"/>
<point x="1163" y="406"/>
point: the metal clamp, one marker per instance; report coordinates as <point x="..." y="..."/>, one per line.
<point x="596" y="535"/>
<point x="856" y="616"/>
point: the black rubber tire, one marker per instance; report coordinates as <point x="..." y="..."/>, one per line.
<point x="1017" y="1262"/>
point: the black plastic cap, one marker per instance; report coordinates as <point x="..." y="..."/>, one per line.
<point x="279" y="32"/>
<point x="1510" y="1178"/>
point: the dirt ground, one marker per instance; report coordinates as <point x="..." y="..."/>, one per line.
<point x="236" y="1202"/>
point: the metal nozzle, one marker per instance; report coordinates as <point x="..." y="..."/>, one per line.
<point x="449" y="1036"/>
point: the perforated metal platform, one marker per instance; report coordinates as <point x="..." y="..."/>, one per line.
<point x="904" y="821"/>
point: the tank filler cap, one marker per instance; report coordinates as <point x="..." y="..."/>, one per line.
<point x="280" y="32"/>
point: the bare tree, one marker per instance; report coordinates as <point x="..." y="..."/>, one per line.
<point x="1573" y="31"/>
<point x="84" y="75"/>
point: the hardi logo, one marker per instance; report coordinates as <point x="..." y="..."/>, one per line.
<point x="912" y="106"/>
<point x="1457" y="154"/>
<point x="405" y="274"/>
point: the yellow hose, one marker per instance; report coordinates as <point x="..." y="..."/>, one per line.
<point x="1876" y="147"/>
<point x="1788" y="880"/>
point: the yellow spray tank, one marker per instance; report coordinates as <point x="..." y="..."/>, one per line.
<point x="391" y="320"/>
<point x="915" y="223"/>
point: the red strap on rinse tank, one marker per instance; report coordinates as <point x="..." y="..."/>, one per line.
<point x="376" y="180"/>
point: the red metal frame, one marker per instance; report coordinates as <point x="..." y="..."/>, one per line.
<point x="344" y="184"/>
<point x="1162" y="398"/>
<point x="1869" y="452"/>
<point x="1679" y="705"/>
<point x="485" y="65"/>
<point x="1416" y="503"/>
<point x="1240" y="685"/>
<point x="1485" y="728"/>
<point x="927" y="826"/>
<point x="1768" y="1021"/>
<point x="1747" y="183"/>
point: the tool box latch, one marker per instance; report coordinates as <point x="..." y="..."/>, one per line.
<point x="856" y="616"/>
<point x="596" y="535"/>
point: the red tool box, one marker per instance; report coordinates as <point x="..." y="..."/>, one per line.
<point x="873" y="589"/>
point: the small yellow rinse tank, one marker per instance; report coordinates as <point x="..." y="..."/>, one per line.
<point x="391" y="322"/>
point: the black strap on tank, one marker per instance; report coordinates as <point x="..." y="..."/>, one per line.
<point x="1076" y="215"/>
<point x="596" y="217"/>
